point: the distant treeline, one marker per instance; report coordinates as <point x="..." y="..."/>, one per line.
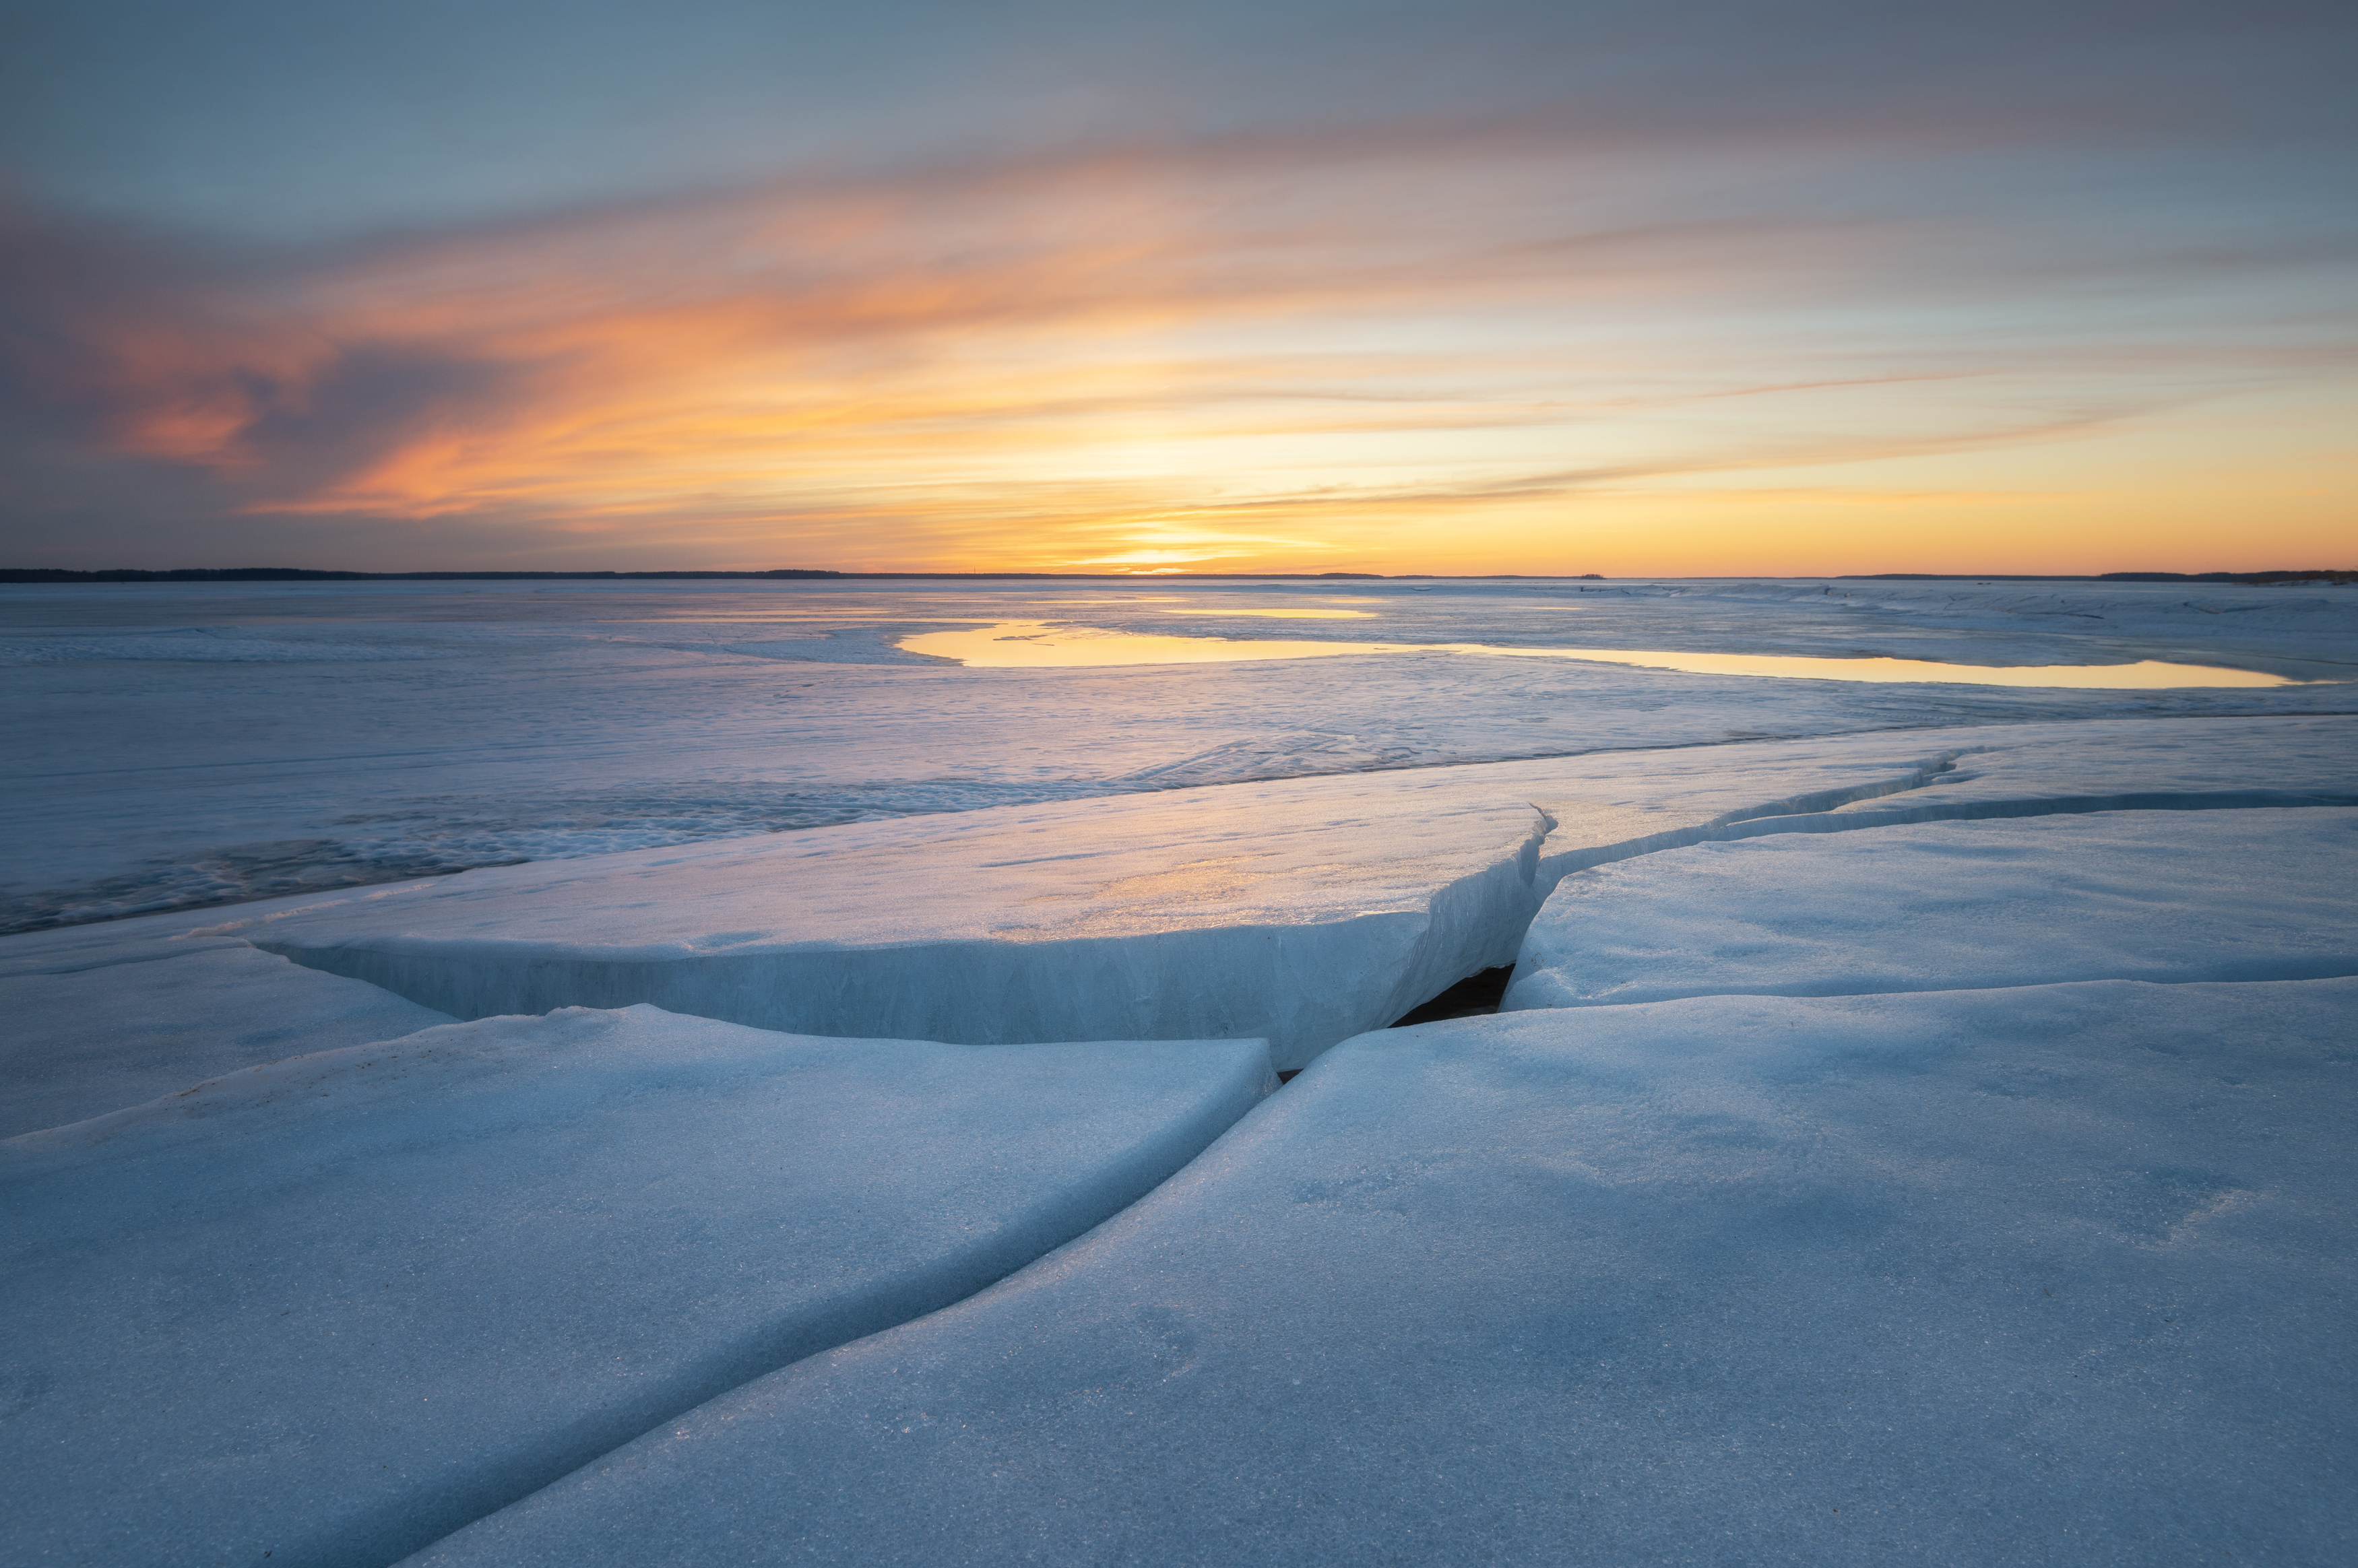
<point x="297" y="574"/>
<point x="2324" y="575"/>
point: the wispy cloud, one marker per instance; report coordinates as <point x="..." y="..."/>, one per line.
<point x="1264" y="348"/>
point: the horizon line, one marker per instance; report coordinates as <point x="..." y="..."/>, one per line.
<point x="21" y="575"/>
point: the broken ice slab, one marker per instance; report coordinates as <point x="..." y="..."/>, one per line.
<point x="1297" y="911"/>
<point x="331" y="1309"/>
<point x="97" y="1024"/>
<point x="2050" y="1275"/>
<point x="2150" y="895"/>
<point x="1300" y="910"/>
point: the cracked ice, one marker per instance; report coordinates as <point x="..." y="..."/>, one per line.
<point x="648" y="1074"/>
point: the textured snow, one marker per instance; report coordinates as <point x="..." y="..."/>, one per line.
<point x="329" y="1309"/>
<point x="95" y="1027"/>
<point x="180" y="745"/>
<point x="2052" y="1275"/>
<point x="2147" y="895"/>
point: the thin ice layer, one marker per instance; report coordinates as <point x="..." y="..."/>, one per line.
<point x="2057" y="1275"/>
<point x="2151" y="895"/>
<point x="94" y="1032"/>
<point x="331" y="1309"/>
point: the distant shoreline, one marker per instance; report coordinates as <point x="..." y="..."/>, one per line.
<point x="298" y="574"/>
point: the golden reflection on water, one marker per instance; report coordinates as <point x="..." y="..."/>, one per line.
<point x="1040" y="644"/>
<point x="1043" y="644"/>
<point x="1284" y="614"/>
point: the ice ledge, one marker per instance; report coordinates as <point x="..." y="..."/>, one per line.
<point x="1296" y="914"/>
<point x="1299" y="911"/>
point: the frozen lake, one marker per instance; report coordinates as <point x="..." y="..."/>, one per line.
<point x="183" y="745"/>
<point x="583" y="1073"/>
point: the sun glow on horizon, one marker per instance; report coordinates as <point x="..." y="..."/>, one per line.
<point x="1179" y="360"/>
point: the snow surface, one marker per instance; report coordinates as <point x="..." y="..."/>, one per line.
<point x="175" y="746"/>
<point x="331" y="1309"/>
<point x="1669" y="1280"/>
<point x="94" y="1027"/>
<point x="2147" y="896"/>
<point x="2051" y="1275"/>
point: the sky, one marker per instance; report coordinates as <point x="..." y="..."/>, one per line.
<point x="1665" y="288"/>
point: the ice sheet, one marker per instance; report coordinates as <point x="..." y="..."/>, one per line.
<point x="328" y="1310"/>
<point x="1297" y="911"/>
<point x="2057" y="1275"/>
<point x="2147" y="895"/>
<point x="1302" y="911"/>
<point x="1465" y="1255"/>
<point x="89" y="1031"/>
<point x="183" y="745"/>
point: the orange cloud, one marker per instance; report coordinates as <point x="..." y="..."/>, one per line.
<point x="1317" y="352"/>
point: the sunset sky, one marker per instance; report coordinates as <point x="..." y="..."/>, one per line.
<point x="1296" y="286"/>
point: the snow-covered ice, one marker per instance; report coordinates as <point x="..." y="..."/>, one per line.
<point x="2051" y="1275"/>
<point x="96" y="1025"/>
<point x="2056" y="1273"/>
<point x="2148" y="895"/>
<point x="2114" y="766"/>
<point x="1289" y="911"/>
<point x="331" y="1309"/>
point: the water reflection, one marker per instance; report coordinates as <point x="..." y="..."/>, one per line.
<point x="1283" y="615"/>
<point x="1040" y="644"/>
<point x="2145" y="674"/>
